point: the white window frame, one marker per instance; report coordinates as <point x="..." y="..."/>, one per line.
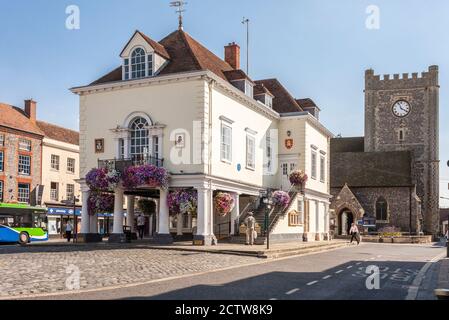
<point x="313" y="164"/>
<point x="225" y="154"/>
<point x="54" y="193"/>
<point x="2" y="161"/>
<point x="70" y="194"/>
<point x="250" y="152"/>
<point x="127" y="75"/>
<point x="55" y="162"/>
<point x="24" y="165"/>
<point x="323" y="168"/>
<point x="249" y="89"/>
<point x="269" y="154"/>
<point x="70" y="165"/>
<point x="23" y="193"/>
<point x="269" y="101"/>
<point x="2" y="140"/>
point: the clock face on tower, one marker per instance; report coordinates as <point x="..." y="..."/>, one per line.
<point x="401" y="109"/>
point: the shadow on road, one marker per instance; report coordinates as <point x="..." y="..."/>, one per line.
<point x="346" y="282"/>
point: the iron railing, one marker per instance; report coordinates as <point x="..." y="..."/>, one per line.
<point x="121" y="164"/>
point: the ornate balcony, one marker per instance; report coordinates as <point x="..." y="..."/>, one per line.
<point x="121" y="164"/>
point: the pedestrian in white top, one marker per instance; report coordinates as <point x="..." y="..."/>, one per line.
<point x="141" y="225"/>
<point x="250" y="229"/>
<point x="68" y="231"/>
<point x="354" y="231"/>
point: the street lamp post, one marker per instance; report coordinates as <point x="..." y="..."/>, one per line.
<point x="268" y="202"/>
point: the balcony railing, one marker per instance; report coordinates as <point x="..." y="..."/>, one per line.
<point x="121" y="164"/>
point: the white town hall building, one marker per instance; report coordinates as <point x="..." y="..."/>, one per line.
<point x="174" y="104"/>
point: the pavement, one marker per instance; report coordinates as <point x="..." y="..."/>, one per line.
<point x="403" y="272"/>
<point x="276" y="250"/>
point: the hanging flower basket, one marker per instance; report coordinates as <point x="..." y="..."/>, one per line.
<point x="224" y="203"/>
<point x="182" y="201"/>
<point x="298" y="178"/>
<point x="281" y="199"/>
<point x="100" y="203"/>
<point x="103" y="179"/>
<point x="145" y="175"/>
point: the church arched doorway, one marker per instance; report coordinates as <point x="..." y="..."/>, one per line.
<point x="345" y="220"/>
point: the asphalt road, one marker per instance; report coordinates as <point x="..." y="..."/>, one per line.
<point x="405" y="272"/>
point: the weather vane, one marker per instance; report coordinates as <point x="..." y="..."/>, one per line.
<point x="180" y="5"/>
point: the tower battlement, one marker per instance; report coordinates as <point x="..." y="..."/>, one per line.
<point x="401" y="81"/>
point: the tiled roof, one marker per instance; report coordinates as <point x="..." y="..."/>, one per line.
<point x="186" y="54"/>
<point x="15" y="118"/>
<point x="189" y="55"/>
<point x="283" y="101"/>
<point x="59" y="133"/>
<point x="355" y="144"/>
<point x="158" y="48"/>
<point x="370" y="169"/>
<point x="261" y="89"/>
<point x="306" y="103"/>
<point x="234" y="75"/>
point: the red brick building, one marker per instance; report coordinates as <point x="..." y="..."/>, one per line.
<point x="20" y="154"/>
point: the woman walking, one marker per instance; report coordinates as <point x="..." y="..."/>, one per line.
<point x="354" y="231"/>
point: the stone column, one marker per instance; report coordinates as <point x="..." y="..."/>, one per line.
<point x="179" y="223"/>
<point x="235" y="214"/>
<point x="117" y="231"/>
<point x="203" y="235"/>
<point x="85" y="218"/>
<point x="163" y="235"/>
<point x="130" y="203"/>
<point x="93" y="224"/>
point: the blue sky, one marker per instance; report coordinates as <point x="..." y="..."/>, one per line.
<point x="317" y="48"/>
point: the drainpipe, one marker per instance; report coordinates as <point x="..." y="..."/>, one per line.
<point x="211" y="84"/>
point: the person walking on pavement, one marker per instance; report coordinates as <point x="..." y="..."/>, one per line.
<point x="141" y="225"/>
<point x="250" y="223"/>
<point x="68" y="231"/>
<point x="354" y="231"/>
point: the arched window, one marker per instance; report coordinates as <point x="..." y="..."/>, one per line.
<point x="381" y="209"/>
<point x="138" y="63"/>
<point x="140" y="141"/>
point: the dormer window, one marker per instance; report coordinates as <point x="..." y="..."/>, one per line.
<point x="139" y="65"/>
<point x="249" y="89"/>
<point x="269" y="101"/>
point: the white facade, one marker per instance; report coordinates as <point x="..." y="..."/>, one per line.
<point x="201" y="106"/>
<point x="60" y="172"/>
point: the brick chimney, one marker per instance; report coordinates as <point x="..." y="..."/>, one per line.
<point x="232" y="55"/>
<point x="30" y="109"/>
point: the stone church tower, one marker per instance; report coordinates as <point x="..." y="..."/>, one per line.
<point x="401" y="114"/>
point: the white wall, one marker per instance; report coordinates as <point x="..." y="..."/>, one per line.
<point x="176" y="105"/>
<point x="63" y="177"/>
<point x="243" y="118"/>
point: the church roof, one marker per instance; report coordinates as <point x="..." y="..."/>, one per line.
<point x="370" y="169"/>
<point x="354" y="144"/>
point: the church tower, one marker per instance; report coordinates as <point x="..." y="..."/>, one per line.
<point x="401" y="114"/>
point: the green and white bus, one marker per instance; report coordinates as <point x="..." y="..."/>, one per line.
<point x="22" y="224"/>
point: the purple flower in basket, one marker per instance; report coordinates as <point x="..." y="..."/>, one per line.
<point x="102" y="179"/>
<point x="281" y="198"/>
<point x="145" y="175"/>
<point x="100" y="203"/>
<point x="182" y="201"/>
